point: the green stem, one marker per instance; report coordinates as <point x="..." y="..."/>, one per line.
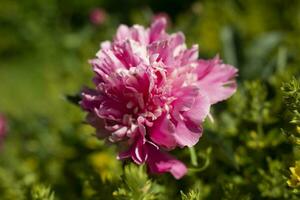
<point x="193" y="156"/>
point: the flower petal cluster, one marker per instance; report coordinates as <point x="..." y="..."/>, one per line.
<point x="152" y="94"/>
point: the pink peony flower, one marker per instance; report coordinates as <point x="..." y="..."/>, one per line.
<point x="152" y="94"/>
<point x="97" y="16"/>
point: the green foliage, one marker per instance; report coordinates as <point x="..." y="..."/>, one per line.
<point x="273" y="184"/>
<point x="192" y="195"/>
<point x="291" y="97"/>
<point x="294" y="180"/>
<point x="41" y="192"/>
<point x="198" y="191"/>
<point x="10" y="188"/>
<point x="44" y="48"/>
<point x="232" y="192"/>
<point x="137" y="186"/>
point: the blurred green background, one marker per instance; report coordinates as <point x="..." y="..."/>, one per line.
<point x="44" y="50"/>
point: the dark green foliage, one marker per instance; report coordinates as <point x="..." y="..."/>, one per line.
<point x="292" y="98"/>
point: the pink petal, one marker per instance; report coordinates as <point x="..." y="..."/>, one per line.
<point x="187" y="133"/>
<point x="139" y="34"/>
<point x="185" y="97"/>
<point x="160" y="162"/>
<point x="165" y="48"/>
<point x="105" y="44"/>
<point x="90" y="99"/>
<point x="189" y="55"/>
<point x="130" y="53"/>
<point x="216" y="79"/>
<point x="106" y="63"/>
<point x="99" y="124"/>
<point x="123" y="33"/>
<point x="157" y="29"/>
<point x="199" y="110"/>
<point x="137" y="151"/>
<point x="162" y="132"/>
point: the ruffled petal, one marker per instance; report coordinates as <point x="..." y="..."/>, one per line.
<point x="123" y="33"/>
<point x="90" y="99"/>
<point x="199" y="110"/>
<point x="216" y="79"/>
<point x="160" y="162"/>
<point x="137" y="151"/>
<point x="162" y="132"/>
<point x="187" y="133"/>
<point x="157" y="29"/>
<point x="164" y="49"/>
<point x="139" y="34"/>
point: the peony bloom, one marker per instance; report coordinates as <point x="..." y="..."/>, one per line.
<point x="97" y="16"/>
<point x="152" y="94"/>
<point x="3" y="128"/>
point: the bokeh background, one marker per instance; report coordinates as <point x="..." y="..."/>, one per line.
<point x="49" y="153"/>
